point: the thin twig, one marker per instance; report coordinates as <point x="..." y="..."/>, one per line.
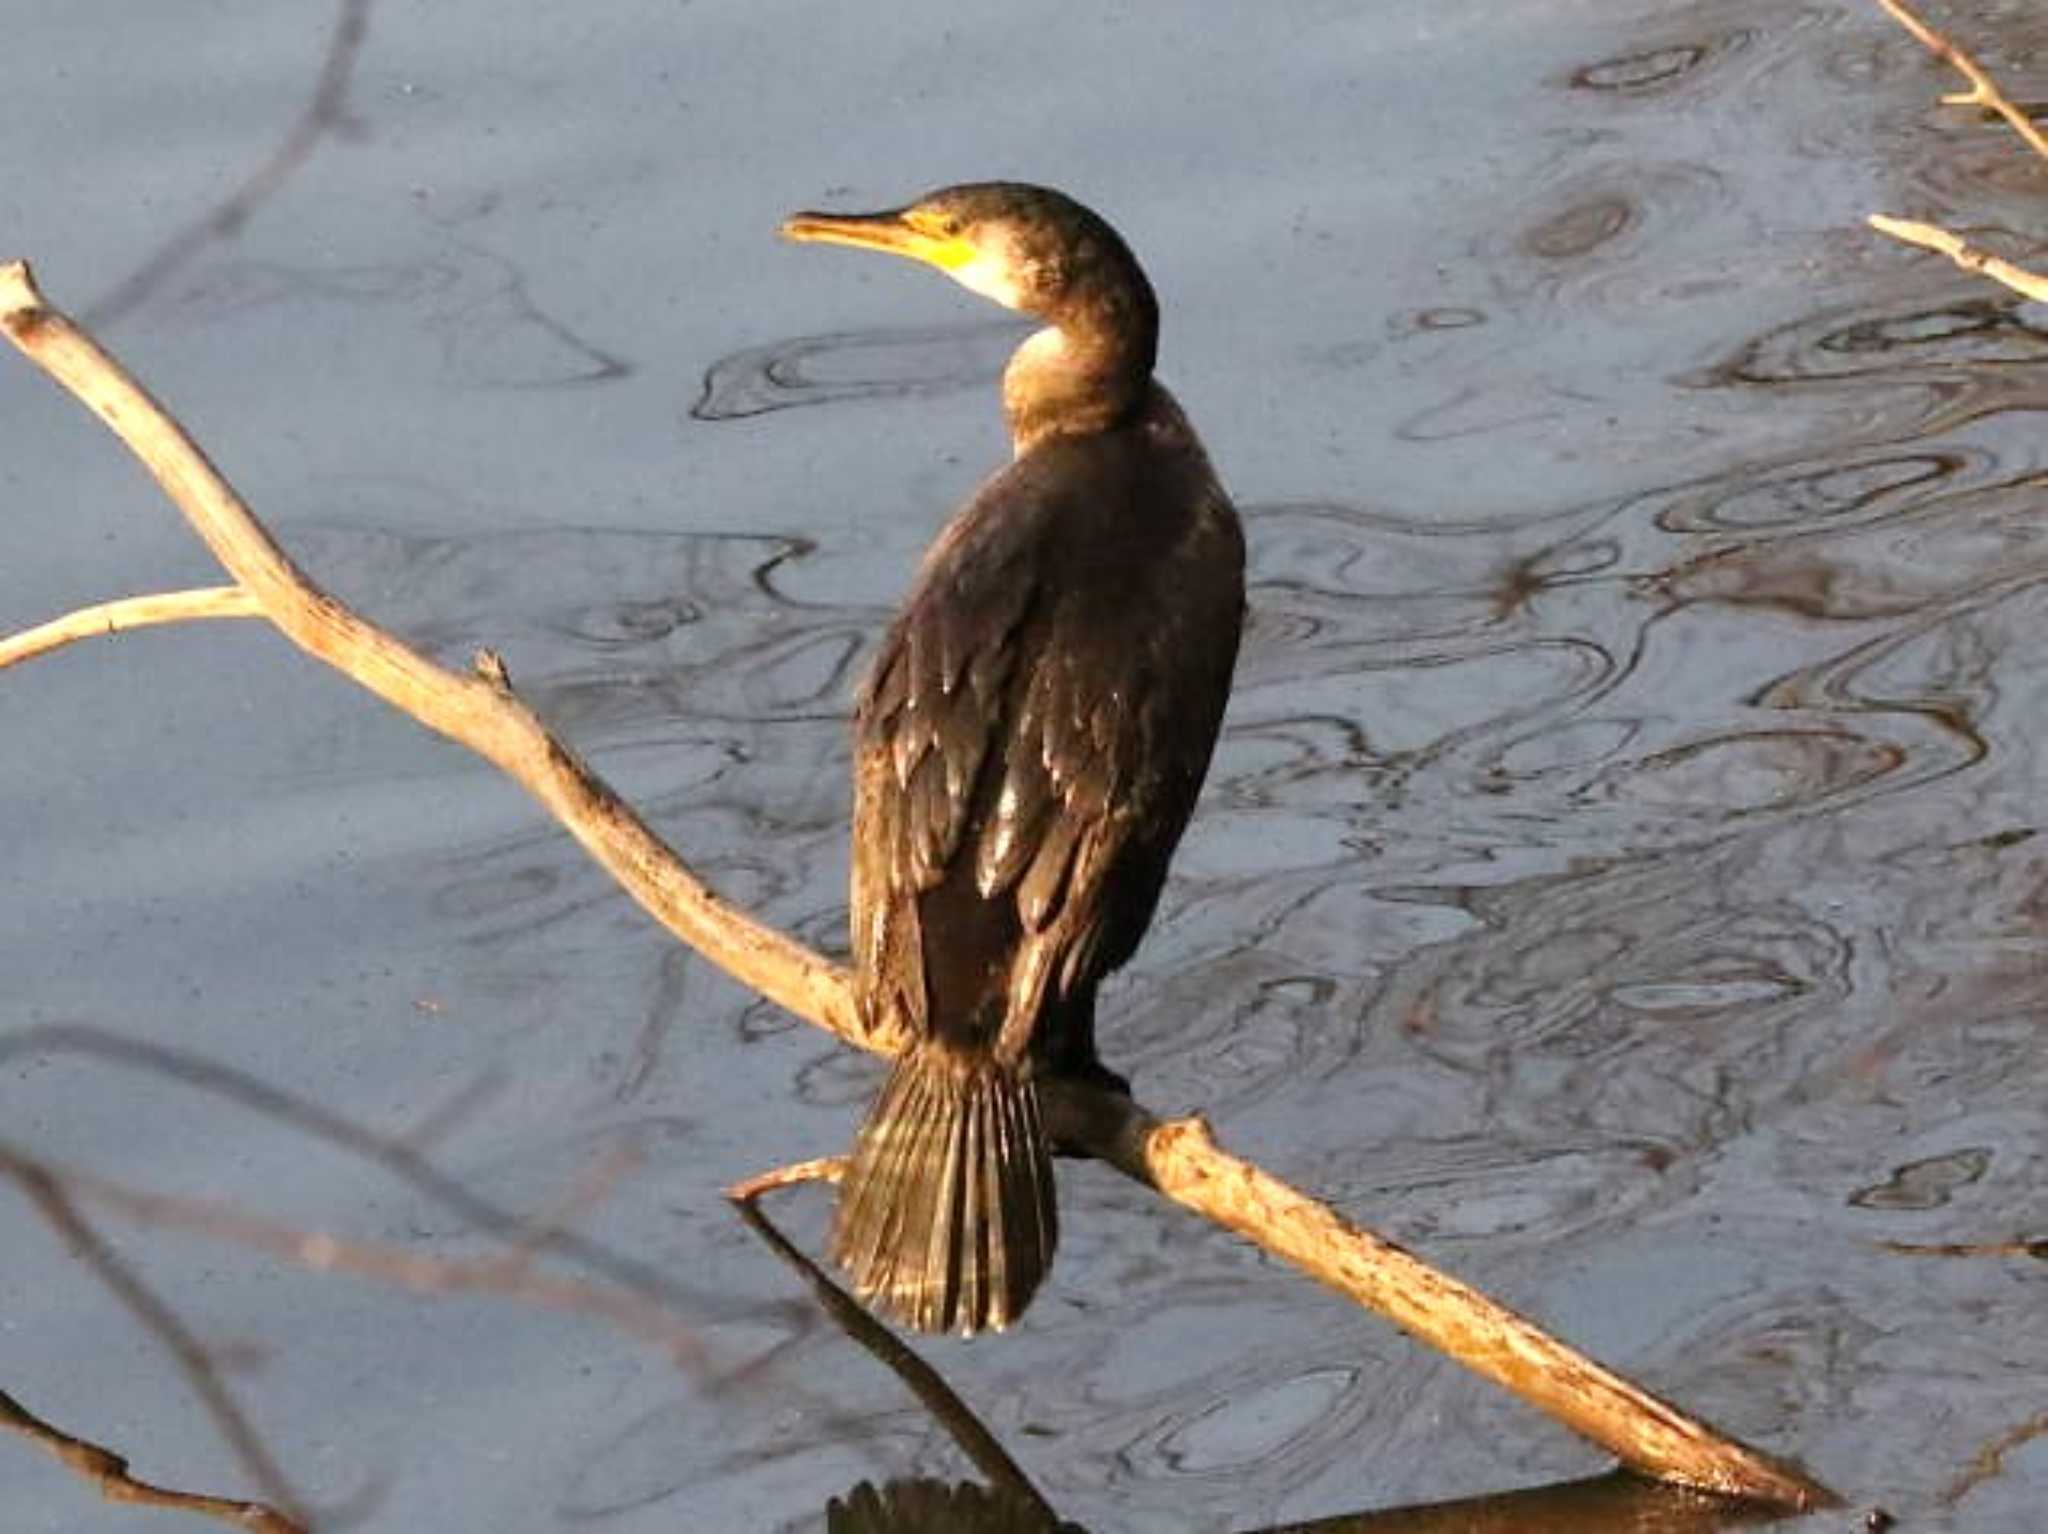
<point x="108" y="1473"/>
<point x="1989" y="1462"/>
<point x="53" y="1202"/>
<point x="926" y="1383"/>
<point x="828" y="1169"/>
<point x="1983" y="91"/>
<point x="479" y="712"/>
<point x="1970" y="258"/>
<point x="127" y="613"/>
<point x="1180" y="1160"/>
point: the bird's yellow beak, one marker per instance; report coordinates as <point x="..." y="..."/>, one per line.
<point x="897" y="232"/>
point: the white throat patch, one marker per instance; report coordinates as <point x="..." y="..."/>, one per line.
<point x="989" y="277"/>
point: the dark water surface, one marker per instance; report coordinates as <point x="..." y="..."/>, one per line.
<point x="1621" y="879"/>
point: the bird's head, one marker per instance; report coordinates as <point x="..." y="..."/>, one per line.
<point x="1026" y="247"/>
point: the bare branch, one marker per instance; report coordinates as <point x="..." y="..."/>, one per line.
<point x="127" y="613"/>
<point x="1182" y="1161"/>
<point x="1983" y="91"/>
<point x="1969" y="257"/>
<point x="108" y="1472"/>
<point x="2025" y="1246"/>
<point x="828" y="1169"/>
<point x="487" y="718"/>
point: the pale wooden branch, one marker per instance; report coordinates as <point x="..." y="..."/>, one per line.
<point x="1983" y="92"/>
<point x="1969" y="257"/>
<point x="1180" y="1159"/>
<point x="477" y="711"/>
<point x="127" y="613"/>
<point x="109" y="1474"/>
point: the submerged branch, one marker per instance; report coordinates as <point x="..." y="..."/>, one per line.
<point x="1180" y="1159"/>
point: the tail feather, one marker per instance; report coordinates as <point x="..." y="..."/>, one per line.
<point x="946" y="1218"/>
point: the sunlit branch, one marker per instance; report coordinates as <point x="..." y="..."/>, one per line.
<point x="1983" y="92"/>
<point x="116" y="617"/>
<point x="479" y="711"/>
<point x="1969" y="257"/>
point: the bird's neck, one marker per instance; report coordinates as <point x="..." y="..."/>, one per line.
<point x="1085" y="372"/>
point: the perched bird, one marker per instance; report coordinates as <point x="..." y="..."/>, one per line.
<point x="1028" y="747"/>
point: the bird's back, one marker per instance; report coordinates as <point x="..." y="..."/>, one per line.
<point x="1035" y="729"/>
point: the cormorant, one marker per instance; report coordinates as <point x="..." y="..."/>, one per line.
<point x="1028" y="746"/>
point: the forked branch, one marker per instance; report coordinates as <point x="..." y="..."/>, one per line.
<point x="1983" y="92"/>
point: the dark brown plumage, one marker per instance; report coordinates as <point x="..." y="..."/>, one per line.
<point x="1028" y="747"/>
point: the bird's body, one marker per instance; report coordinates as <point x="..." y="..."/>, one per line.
<point x="1029" y="745"/>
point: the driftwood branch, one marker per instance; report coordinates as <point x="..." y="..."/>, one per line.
<point x="1179" y="1159"/>
<point x="1985" y="93"/>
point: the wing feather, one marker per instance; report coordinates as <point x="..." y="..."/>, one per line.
<point x="1032" y="735"/>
